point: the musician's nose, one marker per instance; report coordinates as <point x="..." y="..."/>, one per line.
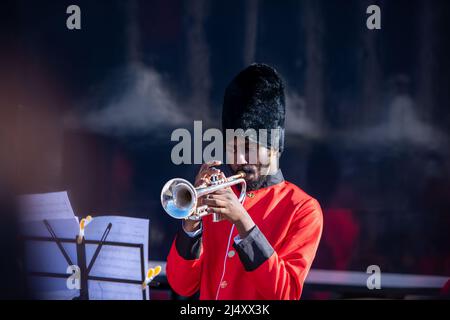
<point x="241" y="158"/>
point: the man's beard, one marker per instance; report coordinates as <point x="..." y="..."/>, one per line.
<point x="256" y="183"/>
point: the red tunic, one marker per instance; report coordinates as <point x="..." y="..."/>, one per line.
<point x="287" y="219"/>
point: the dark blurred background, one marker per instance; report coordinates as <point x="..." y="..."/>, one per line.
<point x="91" y="111"/>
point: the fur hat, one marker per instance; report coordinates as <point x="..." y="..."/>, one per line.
<point x="255" y="100"/>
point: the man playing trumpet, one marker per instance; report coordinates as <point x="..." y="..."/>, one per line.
<point x="264" y="247"/>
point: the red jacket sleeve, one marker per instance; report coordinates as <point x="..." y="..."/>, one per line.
<point x="281" y="275"/>
<point x="184" y="264"/>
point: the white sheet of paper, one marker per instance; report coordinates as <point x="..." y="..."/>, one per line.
<point x="52" y="289"/>
<point x="63" y="228"/>
<point x="45" y="256"/>
<point x="101" y="290"/>
<point x="37" y="207"/>
<point x="115" y="261"/>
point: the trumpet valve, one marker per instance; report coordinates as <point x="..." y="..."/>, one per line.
<point x="200" y="212"/>
<point x="216" y="179"/>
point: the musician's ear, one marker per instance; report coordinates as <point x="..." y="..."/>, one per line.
<point x="274" y="153"/>
<point x="274" y="156"/>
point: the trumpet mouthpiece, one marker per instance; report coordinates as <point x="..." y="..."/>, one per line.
<point x="242" y="174"/>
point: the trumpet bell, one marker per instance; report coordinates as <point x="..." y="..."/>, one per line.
<point x="179" y="198"/>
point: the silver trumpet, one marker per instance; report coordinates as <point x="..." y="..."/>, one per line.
<point x="179" y="197"/>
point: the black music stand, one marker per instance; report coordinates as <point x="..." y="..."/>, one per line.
<point x="81" y="260"/>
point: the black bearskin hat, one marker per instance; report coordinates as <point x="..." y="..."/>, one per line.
<point x="255" y="100"/>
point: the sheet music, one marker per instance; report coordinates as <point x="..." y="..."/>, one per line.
<point x="118" y="262"/>
<point x="37" y="207"/>
<point x="45" y="256"/>
<point x="100" y="290"/>
<point x="63" y="228"/>
<point x="113" y="261"/>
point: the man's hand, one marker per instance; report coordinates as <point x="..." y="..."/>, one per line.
<point x="203" y="178"/>
<point x="191" y="225"/>
<point x="205" y="173"/>
<point x="226" y="203"/>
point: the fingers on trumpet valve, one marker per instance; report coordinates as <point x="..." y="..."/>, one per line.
<point x="218" y="178"/>
<point x="208" y="173"/>
<point x="211" y="175"/>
